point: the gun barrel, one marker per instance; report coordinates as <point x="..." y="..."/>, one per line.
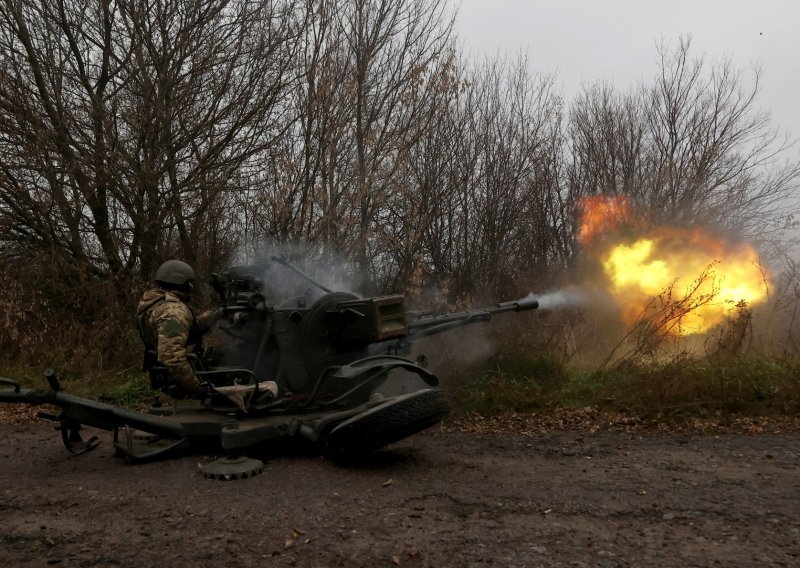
<point x="436" y="324"/>
<point x="519" y="305"/>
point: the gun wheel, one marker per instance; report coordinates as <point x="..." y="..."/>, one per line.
<point x="226" y="469"/>
<point x="387" y="423"/>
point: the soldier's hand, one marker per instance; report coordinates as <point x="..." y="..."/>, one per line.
<point x="207" y="319"/>
<point x="202" y="391"/>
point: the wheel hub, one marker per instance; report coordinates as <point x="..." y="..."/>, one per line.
<point x="228" y="468"/>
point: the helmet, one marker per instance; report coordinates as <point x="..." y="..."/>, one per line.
<point x="175" y="274"/>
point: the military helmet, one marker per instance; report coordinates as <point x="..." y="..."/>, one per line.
<point x="175" y="273"/>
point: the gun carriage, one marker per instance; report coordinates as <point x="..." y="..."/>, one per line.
<point x="346" y="382"/>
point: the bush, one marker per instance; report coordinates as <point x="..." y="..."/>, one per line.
<point x="131" y="393"/>
<point x="683" y="386"/>
<point x="733" y="385"/>
<point x="520" y="382"/>
<point x="72" y="322"/>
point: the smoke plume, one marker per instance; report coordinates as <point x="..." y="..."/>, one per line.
<point x="568" y="297"/>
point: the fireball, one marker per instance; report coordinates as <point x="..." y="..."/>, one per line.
<point x="707" y="276"/>
<point x="600" y="215"/>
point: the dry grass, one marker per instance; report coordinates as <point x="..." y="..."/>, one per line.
<point x="81" y="329"/>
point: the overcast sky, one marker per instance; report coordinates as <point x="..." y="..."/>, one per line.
<point x="585" y="40"/>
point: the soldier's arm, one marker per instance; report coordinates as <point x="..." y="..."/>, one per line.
<point x="208" y="318"/>
<point x="173" y="334"/>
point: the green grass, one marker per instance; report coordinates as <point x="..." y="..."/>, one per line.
<point x="125" y="388"/>
<point x="735" y="385"/>
<point x="520" y="382"/>
<point x="131" y="393"/>
<point x="683" y="387"/>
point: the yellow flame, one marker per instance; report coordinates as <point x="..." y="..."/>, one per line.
<point x="691" y="264"/>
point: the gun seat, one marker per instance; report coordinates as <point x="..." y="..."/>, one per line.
<point x="218" y="377"/>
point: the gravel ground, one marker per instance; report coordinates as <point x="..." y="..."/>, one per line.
<point x="445" y="497"/>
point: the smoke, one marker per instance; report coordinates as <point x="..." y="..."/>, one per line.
<point x="457" y="352"/>
<point x="565" y="298"/>
<point x="560" y="299"/>
<point x="319" y="263"/>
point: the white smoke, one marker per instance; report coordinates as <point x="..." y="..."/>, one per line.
<point x="323" y="266"/>
<point x="568" y="297"/>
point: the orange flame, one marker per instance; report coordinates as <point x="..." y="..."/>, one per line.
<point x="602" y="214"/>
<point x="713" y="274"/>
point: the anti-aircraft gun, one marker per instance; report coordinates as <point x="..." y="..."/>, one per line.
<point x="345" y="380"/>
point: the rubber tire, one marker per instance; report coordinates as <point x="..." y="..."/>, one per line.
<point x="381" y="426"/>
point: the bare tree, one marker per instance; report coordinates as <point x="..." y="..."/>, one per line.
<point x="300" y="195"/>
<point x="606" y="136"/>
<point x="711" y="152"/>
<point x="692" y="147"/>
<point x="488" y="182"/>
<point x="397" y="50"/>
<point x="373" y="73"/>
<point x="124" y="123"/>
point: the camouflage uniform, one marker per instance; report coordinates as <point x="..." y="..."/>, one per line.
<point x="169" y="327"/>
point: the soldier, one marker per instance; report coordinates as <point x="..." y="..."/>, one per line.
<point x="171" y="332"/>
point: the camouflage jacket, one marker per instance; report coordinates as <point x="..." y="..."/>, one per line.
<point x="168" y="326"/>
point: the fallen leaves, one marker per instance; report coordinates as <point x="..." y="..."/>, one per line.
<point x="593" y="419"/>
<point x="23" y="413"/>
<point x="295" y="539"/>
<point x="412" y="554"/>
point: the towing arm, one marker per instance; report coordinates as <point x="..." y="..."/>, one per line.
<point x="76" y="411"/>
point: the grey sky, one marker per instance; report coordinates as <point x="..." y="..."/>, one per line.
<point x="585" y="40"/>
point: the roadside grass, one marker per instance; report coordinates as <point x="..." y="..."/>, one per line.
<point x="127" y="387"/>
<point x="131" y="392"/>
<point x="518" y="383"/>
<point x="523" y="381"/>
<point x="683" y="387"/>
<point x="748" y="365"/>
<point x="733" y="385"/>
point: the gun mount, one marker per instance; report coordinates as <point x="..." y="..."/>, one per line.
<point x="345" y="380"/>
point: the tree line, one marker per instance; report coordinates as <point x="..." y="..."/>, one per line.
<point x="133" y="131"/>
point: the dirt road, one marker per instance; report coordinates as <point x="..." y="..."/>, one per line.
<point x="442" y="498"/>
